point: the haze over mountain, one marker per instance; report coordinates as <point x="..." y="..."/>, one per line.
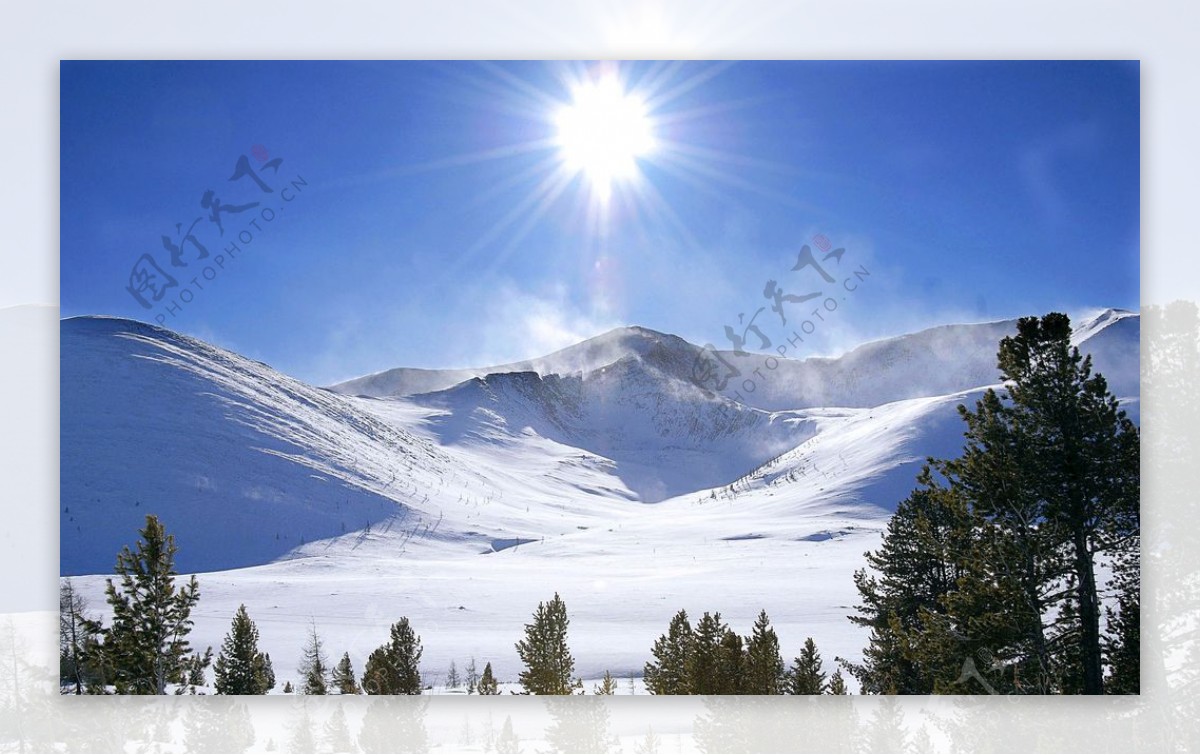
<point x="599" y="470"/>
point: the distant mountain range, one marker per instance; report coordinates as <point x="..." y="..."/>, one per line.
<point x="248" y="466"/>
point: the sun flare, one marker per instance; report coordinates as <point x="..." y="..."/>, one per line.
<point x="602" y="133"/>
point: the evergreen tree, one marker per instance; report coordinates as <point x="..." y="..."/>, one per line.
<point x="395" y="668"/>
<point x="343" y="677"/>
<point x="1123" y="644"/>
<point x="987" y="572"/>
<point x="764" y="665"/>
<point x="916" y="566"/>
<point x="549" y="665"/>
<point x="314" y="666"/>
<point x="197" y="664"/>
<point x="704" y="669"/>
<point x="240" y="668"/>
<point x="649" y="744"/>
<point x="731" y="665"/>
<point x="487" y="683"/>
<point x="78" y="641"/>
<point x="667" y="673"/>
<point x="146" y="646"/>
<point x="472" y="676"/>
<point x="1012" y="568"/>
<point x="267" y="671"/>
<point x="336" y="736"/>
<point x="806" y="676"/>
<point x="607" y="686"/>
<point x="452" y="679"/>
<point x="507" y="743"/>
<point x="837" y="685"/>
<point x="1086" y="460"/>
<point x="287" y="688"/>
<point x="301" y="734"/>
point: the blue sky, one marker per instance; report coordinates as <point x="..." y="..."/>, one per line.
<point x="431" y="222"/>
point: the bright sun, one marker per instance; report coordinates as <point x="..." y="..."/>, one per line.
<point x="602" y="133"/>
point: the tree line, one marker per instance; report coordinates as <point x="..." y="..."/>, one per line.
<point x="986" y="580"/>
<point x="145" y="649"/>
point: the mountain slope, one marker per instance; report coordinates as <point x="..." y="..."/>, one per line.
<point x="665" y="436"/>
<point x="485" y="497"/>
<point x="242" y="463"/>
<point x="249" y="466"/>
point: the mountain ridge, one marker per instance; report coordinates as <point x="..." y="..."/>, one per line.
<point x="249" y="466"/>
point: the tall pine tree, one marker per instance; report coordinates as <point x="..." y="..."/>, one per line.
<point x="667" y="674"/>
<point x="146" y="646"/>
<point x="704" y="667"/>
<point x="487" y="682"/>
<point x="764" y="666"/>
<point x="240" y="668"/>
<point x="806" y="676"/>
<point x="314" y="666"/>
<point x="79" y="670"/>
<point x="918" y="563"/>
<point x="731" y="665"/>
<point x="395" y="668"/>
<point x="1085" y="452"/>
<point x="344" y="680"/>
<point x="986" y="578"/>
<point x="549" y="665"/>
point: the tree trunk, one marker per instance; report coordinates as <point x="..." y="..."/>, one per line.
<point x="1089" y="618"/>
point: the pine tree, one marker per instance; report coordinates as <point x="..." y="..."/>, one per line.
<point x="344" y="680"/>
<point x="336" y="735"/>
<point x="549" y="665"/>
<point x="314" y="666"/>
<point x="1012" y="565"/>
<point x="649" y="744"/>
<point x="1123" y="644"/>
<point x="917" y="565"/>
<point x="287" y="688"/>
<point x="487" y="683"/>
<point x="986" y="577"/>
<point x="837" y="685"/>
<point x="668" y="673"/>
<point x="196" y="666"/>
<point x="78" y="639"/>
<point x="301" y="734"/>
<point x="452" y="679"/>
<point x="704" y="668"/>
<point x="731" y="665"/>
<point x="1086" y="455"/>
<point x="267" y="671"/>
<point x="607" y="686"/>
<point x="764" y="665"/>
<point x="395" y="668"/>
<point x="806" y="676"/>
<point x="240" y="668"/>
<point x="472" y="676"/>
<point x="507" y="743"/>
<point x="146" y="646"/>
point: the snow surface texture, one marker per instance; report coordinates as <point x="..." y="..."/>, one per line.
<point x="462" y="498"/>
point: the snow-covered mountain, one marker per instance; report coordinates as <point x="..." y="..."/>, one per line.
<point x="933" y="362"/>
<point x="461" y="498"/>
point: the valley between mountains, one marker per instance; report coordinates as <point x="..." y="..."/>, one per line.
<point x="461" y="498"/>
